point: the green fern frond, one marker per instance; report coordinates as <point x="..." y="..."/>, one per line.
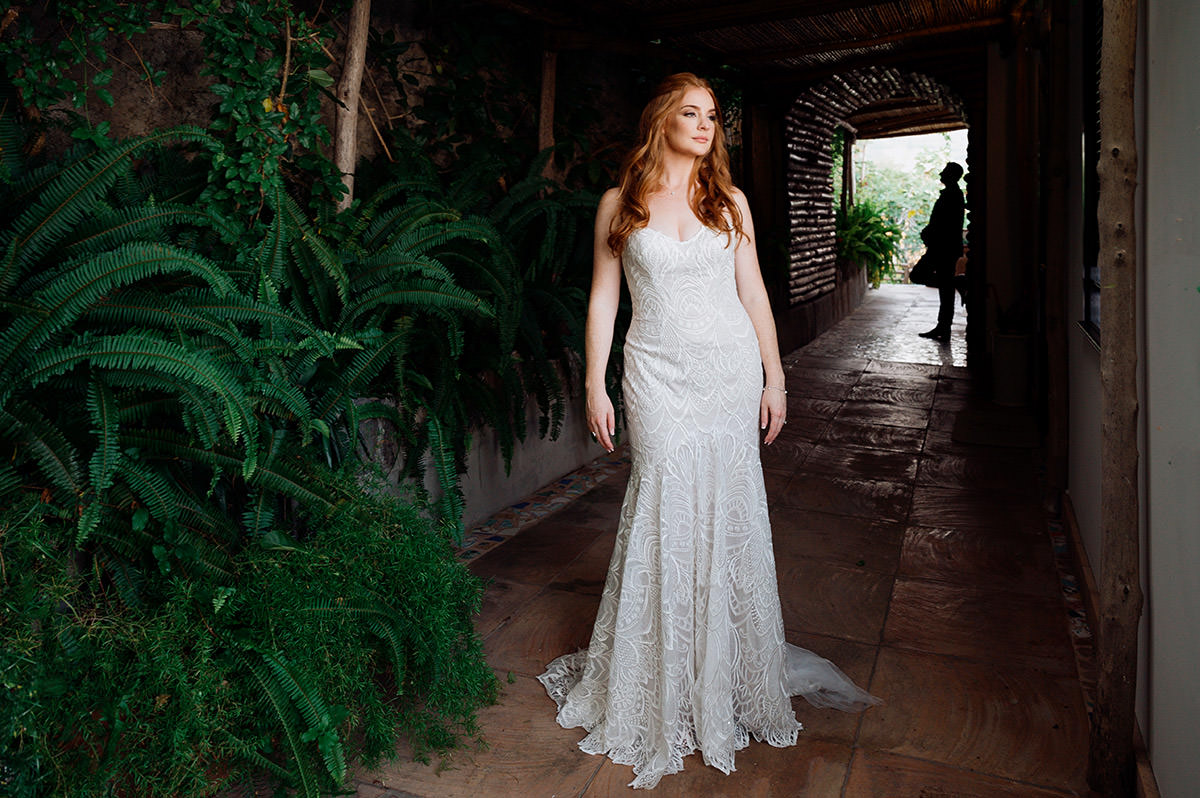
<point x="128" y="578"/>
<point x="56" y="458"/>
<point x="283" y="400"/>
<point x="363" y="368"/>
<point x="450" y="503"/>
<point x="429" y="237"/>
<point x="153" y="487"/>
<point x="418" y="214"/>
<point x="148" y="221"/>
<point x="83" y="284"/>
<point x="105" y="419"/>
<point x="275" y="476"/>
<point x="10" y="483"/>
<point x="312" y="244"/>
<point x="140" y="351"/>
<point x="315" y="712"/>
<point x="12" y="165"/>
<point x="272" y="252"/>
<point x="277" y="697"/>
<point x="259" y="515"/>
<point x="420" y="295"/>
<point x="395" y="262"/>
<point x="184" y="399"/>
<point x="68" y="200"/>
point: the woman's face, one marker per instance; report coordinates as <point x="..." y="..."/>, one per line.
<point x="691" y="126"/>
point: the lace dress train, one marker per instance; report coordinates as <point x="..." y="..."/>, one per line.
<point x="687" y="651"/>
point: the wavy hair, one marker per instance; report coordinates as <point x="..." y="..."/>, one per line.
<point x="642" y="172"/>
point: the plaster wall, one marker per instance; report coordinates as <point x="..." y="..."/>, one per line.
<point x="536" y="462"/>
<point x="1083" y="355"/>
<point x="1171" y="251"/>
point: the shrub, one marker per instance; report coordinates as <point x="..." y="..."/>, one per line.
<point x="868" y="238"/>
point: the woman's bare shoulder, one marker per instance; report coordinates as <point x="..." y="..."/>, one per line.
<point x="610" y="198"/>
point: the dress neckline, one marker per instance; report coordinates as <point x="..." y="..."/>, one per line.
<point x="670" y="237"/>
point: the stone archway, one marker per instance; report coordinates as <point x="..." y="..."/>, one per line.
<point x="808" y="129"/>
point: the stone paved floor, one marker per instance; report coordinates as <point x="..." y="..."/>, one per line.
<point x="919" y="563"/>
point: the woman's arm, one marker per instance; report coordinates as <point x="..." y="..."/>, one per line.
<point x="602" y="314"/>
<point x="753" y="294"/>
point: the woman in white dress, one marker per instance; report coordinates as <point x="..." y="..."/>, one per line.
<point x="687" y="651"/>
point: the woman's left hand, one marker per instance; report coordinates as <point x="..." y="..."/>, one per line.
<point x="772" y="413"/>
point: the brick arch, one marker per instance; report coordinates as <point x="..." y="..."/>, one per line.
<point x="809" y="126"/>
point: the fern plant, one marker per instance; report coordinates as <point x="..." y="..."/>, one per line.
<point x="179" y="408"/>
<point x="868" y="238"/>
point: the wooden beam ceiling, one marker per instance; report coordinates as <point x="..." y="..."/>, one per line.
<point x="788" y="52"/>
<point x="711" y="16"/>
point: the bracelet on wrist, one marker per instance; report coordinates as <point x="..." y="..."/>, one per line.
<point x="774" y="388"/>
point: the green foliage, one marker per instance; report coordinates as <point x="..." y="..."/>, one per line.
<point x="905" y="196"/>
<point x="364" y="627"/>
<point x="179" y="413"/>
<point x="266" y="59"/>
<point x="867" y="237"/>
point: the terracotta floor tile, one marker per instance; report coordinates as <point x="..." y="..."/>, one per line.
<point x="880" y="413"/>
<point x="787" y="452"/>
<point x="838" y="362"/>
<point x="891" y="395"/>
<point x="973" y="621"/>
<point x="808" y="407"/>
<point x="825" y="599"/>
<point x="587" y="572"/>
<point x="956" y="372"/>
<point x="501" y="600"/>
<point x="874" y="774"/>
<point x="776" y="480"/>
<point x="819" y="383"/>
<point x="803" y="429"/>
<point x="874" y="436"/>
<point x="813" y="768"/>
<point x="992" y="718"/>
<point x="915" y="382"/>
<point x="527" y="754"/>
<point x="1006" y="472"/>
<point x="858" y="463"/>
<point x="942" y="419"/>
<point x="955" y="508"/>
<point x="927" y="370"/>
<point x="554" y="623"/>
<point x="990" y="558"/>
<point x="611" y="490"/>
<point x="877" y="500"/>
<point x="590" y="514"/>
<point x="842" y="539"/>
<point x="536" y="554"/>
<point x="939" y="441"/>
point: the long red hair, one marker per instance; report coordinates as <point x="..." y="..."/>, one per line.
<point x="642" y="172"/>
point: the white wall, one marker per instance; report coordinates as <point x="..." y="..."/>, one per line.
<point x="1083" y="358"/>
<point x="536" y="462"/>
<point x="1171" y="252"/>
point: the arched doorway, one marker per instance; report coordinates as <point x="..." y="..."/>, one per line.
<point x="869" y="102"/>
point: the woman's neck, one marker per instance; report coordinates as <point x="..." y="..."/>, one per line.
<point x="677" y="172"/>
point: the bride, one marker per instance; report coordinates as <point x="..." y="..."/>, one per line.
<point x="687" y="651"/>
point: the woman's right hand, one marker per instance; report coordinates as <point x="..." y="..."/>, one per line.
<point x="601" y="418"/>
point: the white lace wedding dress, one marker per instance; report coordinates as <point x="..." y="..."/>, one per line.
<point x="687" y="651"/>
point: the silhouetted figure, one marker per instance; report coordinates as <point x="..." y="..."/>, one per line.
<point x="944" y="246"/>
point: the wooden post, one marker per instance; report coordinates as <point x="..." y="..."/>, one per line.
<point x="1056" y="235"/>
<point x="546" y="110"/>
<point x="345" y="143"/>
<point x="847" y="168"/>
<point x="1111" y="766"/>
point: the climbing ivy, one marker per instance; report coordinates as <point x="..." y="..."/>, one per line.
<point x="267" y="62"/>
